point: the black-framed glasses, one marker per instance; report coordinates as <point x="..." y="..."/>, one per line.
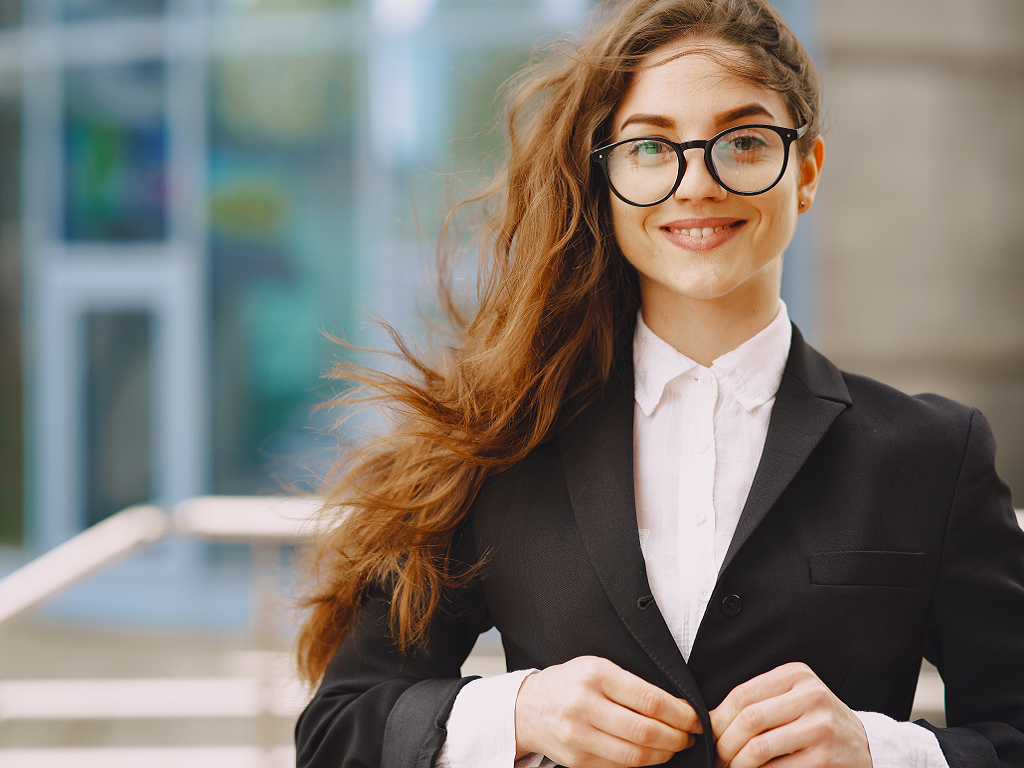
<point x="746" y="160"/>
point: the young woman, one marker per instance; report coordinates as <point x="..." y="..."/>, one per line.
<point x="702" y="544"/>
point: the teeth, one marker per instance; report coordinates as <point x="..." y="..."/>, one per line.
<point x="698" y="232"/>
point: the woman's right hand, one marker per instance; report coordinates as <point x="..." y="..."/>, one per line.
<point x="590" y="713"/>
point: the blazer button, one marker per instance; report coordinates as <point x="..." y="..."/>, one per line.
<point x="731" y="605"/>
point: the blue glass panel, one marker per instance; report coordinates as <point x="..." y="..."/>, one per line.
<point x="10" y="13"/>
<point x="12" y="463"/>
<point x="115" y="153"/>
<point x="283" y="182"/>
<point x="117" y="416"/>
<point x="798" y="274"/>
<point x="277" y="6"/>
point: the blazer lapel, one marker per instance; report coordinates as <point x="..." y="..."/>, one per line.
<point x="812" y="394"/>
<point x="597" y="459"/>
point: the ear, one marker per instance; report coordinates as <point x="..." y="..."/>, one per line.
<point x="810" y="172"/>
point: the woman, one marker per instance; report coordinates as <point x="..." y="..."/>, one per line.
<point x="702" y="544"/>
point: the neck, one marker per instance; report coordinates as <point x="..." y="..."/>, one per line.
<point x="705" y="329"/>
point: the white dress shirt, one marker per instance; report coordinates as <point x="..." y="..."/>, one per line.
<point x="698" y="434"/>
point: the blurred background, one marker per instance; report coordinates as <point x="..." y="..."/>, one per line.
<point x="193" y="191"/>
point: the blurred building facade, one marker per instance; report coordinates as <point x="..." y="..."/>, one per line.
<point x="206" y="188"/>
<point x="192" y="191"/>
<point x="919" y="264"/>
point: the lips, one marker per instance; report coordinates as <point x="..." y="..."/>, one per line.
<point x="702" y="234"/>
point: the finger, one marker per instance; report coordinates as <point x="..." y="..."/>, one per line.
<point x="757" y="718"/>
<point x="765" y="686"/>
<point x="616" y="751"/>
<point x="792" y="739"/>
<point x="584" y="745"/>
<point x="640" y="696"/>
<point x="630" y="726"/>
<point x="805" y="758"/>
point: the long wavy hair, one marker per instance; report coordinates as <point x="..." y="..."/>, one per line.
<point x="555" y="307"/>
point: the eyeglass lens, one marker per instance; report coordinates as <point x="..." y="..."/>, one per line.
<point x="746" y="160"/>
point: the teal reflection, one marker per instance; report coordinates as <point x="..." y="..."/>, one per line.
<point x="283" y="261"/>
<point x="115" y="152"/>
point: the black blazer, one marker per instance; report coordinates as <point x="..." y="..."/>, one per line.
<point x="876" y="531"/>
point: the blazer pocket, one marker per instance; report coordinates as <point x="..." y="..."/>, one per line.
<point x="866" y="569"/>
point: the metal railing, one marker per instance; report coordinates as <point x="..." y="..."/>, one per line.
<point x="261" y="521"/>
<point x="265" y="523"/>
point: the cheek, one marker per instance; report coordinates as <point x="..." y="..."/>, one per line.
<point x="628" y="225"/>
<point x="780" y="214"/>
<point x="782" y="226"/>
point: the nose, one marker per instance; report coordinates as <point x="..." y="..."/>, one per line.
<point x="697" y="182"/>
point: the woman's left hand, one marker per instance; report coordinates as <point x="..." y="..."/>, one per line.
<point x="788" y="717"/>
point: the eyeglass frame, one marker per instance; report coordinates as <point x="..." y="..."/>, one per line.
<point x="788" y="136"/>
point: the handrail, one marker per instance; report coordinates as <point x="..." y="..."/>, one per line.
<point x="148" y="698"/>
<point x="247" y="518"/>
<point x="80" y="556"/>
<point x="259" y="520"/>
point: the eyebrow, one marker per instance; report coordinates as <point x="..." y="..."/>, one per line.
<point x="658" y="121"/>
<point x="661" y="121"/>
<point x="745" y="111"/>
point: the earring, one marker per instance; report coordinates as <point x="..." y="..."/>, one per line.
<point x="802" y="205"/>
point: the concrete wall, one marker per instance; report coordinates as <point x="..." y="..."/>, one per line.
<point x="920" y="231"/>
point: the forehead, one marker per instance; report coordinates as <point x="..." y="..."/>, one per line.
<point x="691" y="82"/>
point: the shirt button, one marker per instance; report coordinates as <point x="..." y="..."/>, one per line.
<point x="699" y="518"/>
<point x="702" y="448"/>
<point x="705" y="379"/>
<point x="704" y="595"/>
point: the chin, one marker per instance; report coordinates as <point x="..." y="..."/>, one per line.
<point x="708" y="287"/>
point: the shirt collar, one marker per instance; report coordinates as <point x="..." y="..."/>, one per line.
<point x="752" y="371"/>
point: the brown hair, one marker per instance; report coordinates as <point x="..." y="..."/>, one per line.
<point x="556" y="304"/>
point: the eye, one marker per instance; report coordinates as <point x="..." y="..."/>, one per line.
<point x="646" y="147"/>
<point x="742" y="143"/>
<point x="645" y="154"/>
<point x="747" y="146"/>
<point x="746" y="143"/>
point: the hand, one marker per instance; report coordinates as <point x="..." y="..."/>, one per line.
<point x="590" y="713"/>
<point x="788" y="717"/>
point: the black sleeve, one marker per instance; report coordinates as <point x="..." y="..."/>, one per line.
<point x="378" y="707"/>
<point x="975" y="632"/>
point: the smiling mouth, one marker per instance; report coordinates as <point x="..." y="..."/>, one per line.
<point x="701" y="232"/>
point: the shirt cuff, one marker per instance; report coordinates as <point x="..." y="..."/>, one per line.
<point x="896" y="744"/>
<point x="482" y="725"/>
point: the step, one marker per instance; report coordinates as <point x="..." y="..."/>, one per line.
<point x="149" y="757"/>
<point x="173" y="697"/>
